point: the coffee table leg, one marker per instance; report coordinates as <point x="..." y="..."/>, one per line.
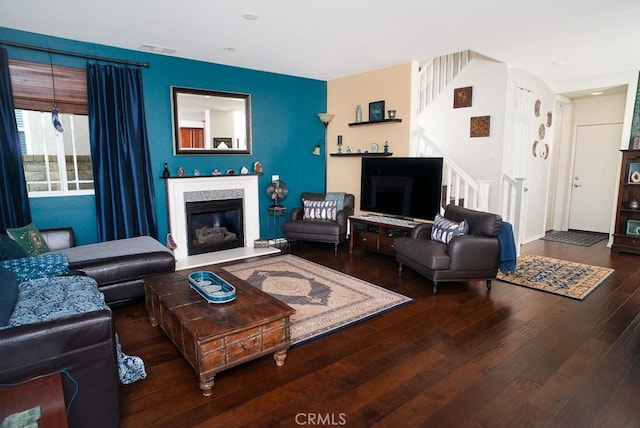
<point x="280" y="356"/>
<point x="206" y="385"/>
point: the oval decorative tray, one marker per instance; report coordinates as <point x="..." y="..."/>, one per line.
<point x="213" y="288"/>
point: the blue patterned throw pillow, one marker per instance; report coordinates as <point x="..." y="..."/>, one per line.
<point x="42" y="266"/>
<point x="320" y="210"/>
<point x="444" y="230"/>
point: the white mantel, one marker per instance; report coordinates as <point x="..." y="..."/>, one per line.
<point x="182" y="190"/>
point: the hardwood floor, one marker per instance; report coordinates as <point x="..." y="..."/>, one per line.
<point x="507" y="357"/>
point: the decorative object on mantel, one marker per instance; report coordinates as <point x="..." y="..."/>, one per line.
<point x="349" y="149"/>
<point x="339" y="143"/>
<point x="358" y="114"/>
<point x="216" y="172"/>
<point x="196" y="172"/>
<point x="181" y="172"/>
<point x="462" y="97"/>
<point x="374" y="147"/>
<point x="386" y="147"/>
<point x="257" y="167"/>
<point x="392" y="114"/>
<point x="166" y="173"/>
<point x="244" y="170"/>
<point x="376" y="111"/>
<point x="480" y="126"/>
<point x="277" y="191"/>
<point x="231" y="172"/>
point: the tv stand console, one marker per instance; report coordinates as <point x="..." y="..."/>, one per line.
<point x="376" y="232"/>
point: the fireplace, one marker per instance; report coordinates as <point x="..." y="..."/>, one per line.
<point x="181" y="191"/>
<point x="214" y="225"/>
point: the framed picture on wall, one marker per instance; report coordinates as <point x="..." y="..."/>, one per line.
<point x="376" y="111"/>
<point x="462" y="97"/>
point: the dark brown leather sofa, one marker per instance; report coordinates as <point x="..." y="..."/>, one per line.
<point x="118" y="267"/>
<point x="474" y="256"/>
<point x="83" y="346"/>
<point x="333" y="232"/>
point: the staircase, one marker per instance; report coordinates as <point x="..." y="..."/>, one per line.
<point x="458" y="187"/>
<point x="437" y="73"/>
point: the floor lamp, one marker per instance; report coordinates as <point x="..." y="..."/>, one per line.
<point x="325" y="118"/>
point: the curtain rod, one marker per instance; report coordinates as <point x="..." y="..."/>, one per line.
<point x="78" y="55"/>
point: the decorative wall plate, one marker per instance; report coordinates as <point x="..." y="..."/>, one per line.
<point x="549" y="119"/>
<point x="536" y="108"/>
<point x="541" y="132"/>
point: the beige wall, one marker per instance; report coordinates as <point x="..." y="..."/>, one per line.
<point x="393" y="85"/>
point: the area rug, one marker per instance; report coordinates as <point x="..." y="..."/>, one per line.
<point x="325" y="300"/>
<point x="568" y="279"/>
<point x="576" y="237"/>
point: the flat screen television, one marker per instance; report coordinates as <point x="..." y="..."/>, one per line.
<point x="401" y="187"/>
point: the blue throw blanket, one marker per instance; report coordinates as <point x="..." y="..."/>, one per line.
<point x="508" y="252"/>
<point x="46" y="299"/>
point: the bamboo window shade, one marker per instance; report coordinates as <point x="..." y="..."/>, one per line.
<point x="32" y="87"/>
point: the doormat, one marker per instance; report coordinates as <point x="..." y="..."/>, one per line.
<point x="576" y="237"/>
<point x="568" y="279"/>
<point x="325" y="300"/>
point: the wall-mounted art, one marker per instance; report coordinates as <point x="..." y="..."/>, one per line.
<point x="462" y="97"/>
<point x="536" y="108"/>
<point x="480" y="126"/>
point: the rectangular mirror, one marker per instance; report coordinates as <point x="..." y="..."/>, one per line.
<point x="211" y="122"/>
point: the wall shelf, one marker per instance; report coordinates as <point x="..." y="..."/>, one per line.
<point x="361" y="155"/>
<point x="375" y="121"/>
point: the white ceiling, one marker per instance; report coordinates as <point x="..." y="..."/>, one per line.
<point x="556" y="40"/>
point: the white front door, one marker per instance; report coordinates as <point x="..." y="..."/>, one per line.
<point x="594" y="176"/>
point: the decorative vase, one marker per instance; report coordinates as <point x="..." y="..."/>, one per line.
<point x="166" y="173"/>
<point x="633" y="204"/>
<point x="358" y="114"/>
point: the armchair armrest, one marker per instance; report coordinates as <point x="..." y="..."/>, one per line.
<point x="297" y="213"/>
<point x="84" y="346"/>
<point x="473" y="252"/>
<point x="421" y="231"/>
<point x="58" y="238"/>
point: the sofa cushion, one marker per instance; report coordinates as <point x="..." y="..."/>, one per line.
<point x="444" y="230"/>
<point x="320" y="210"/>
<point x="8" y="295"/>
<point x="10" y="249"/>
<point x="424" y="252"/>
<point x="42" y="266"/>
<point x="29" y="238"/>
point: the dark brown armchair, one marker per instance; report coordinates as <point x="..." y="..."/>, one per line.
<point x="473" y="256"/>
<point x="300" y="228"/>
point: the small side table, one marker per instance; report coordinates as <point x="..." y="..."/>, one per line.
<point x="277" y="212"/>
<point x="45" y="392"/>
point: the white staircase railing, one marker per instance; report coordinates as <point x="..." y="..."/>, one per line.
<point x="512" y="195"/>
<point x="436" y="74"/>
<point x="457" y="186"/>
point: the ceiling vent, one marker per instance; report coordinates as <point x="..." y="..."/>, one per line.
<point x="158" y="49"/>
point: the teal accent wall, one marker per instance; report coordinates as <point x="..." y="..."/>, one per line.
<point x="285" y="127"/>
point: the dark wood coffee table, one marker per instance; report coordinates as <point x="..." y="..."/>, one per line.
<point x="214" y="337"/>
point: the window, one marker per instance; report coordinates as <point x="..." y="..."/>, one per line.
<point x="55" y="163"/>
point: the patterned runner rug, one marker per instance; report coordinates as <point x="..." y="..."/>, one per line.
<point x="569" y="279"/>
<point x="324" y="299"/>
<point x="576" y="237"/>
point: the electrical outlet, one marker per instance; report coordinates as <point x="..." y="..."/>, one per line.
<point x="275" y="177"/>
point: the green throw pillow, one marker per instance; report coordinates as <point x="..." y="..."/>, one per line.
<point x="29" y="238"/>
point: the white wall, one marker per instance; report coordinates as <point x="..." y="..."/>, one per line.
<point x="448" y="128"/>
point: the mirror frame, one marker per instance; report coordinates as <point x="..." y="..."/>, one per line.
<point x="176" y="90"/>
